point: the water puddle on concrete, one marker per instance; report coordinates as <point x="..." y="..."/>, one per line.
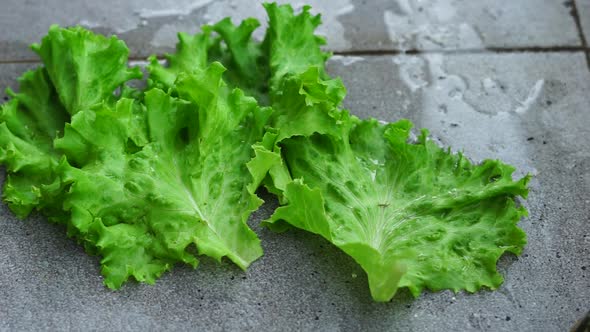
<point x="120" y="21"/>
<point x="531" y="98"/>
<point x="467" y="125"/>
<point x="346" y="60"/>
<point x="175" y="10"/>
<point x="429" y="24"/>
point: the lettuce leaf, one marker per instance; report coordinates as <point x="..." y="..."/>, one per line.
<point x="143" y="206"/>
<point x="233" y="46"/>
<point x="81" y="69"/>
<point x="412" y="215"/>
<point x="191" y="54"/>
<point x="293" y="47"/>
<point x="28" y="124"/>
<point x="147" y="178"/>
<point x="245" y="58"/>
<point x="84" y="67"/>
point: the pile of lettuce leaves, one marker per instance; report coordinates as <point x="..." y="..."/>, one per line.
<point x="150" y="177"/>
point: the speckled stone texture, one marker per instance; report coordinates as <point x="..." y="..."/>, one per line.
<point x="530" y="109"/>
<point x="583" y="7"/>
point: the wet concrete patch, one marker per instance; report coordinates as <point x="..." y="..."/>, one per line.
<point x="349" y="25"/>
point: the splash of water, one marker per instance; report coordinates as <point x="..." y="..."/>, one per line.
<point x="456" y="122"/>
<point x="432" y="24"/>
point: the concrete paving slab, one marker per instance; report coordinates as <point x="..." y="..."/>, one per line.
<point x="350" y="25"/>
<point x="526" y="109"/>
<point x="529" y="110"/>
<point x="464" y="24"/>
<point x="583" y="7"/>
<point x="146" y="26"/>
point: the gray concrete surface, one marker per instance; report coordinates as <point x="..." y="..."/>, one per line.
<point x="350" y="25"/>
<point x="583" y="7"/>
<point x="529" y="109"/>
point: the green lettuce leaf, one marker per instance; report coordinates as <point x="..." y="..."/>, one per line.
<point x="191" y="54"/>
<point x="142" y="207"/>
<point x="150" y="178"/>
<point x="293" y="47"/>
<point x="233" y="46"/>
<point x="107" y="210"/>
<point x="81" y="69"/>
<point x="245" y="58"/>
<point x="302" y="95"/>
<point x="412" y="215"/>
<point x="85" y="68"/>
<point x="28" y="125"/>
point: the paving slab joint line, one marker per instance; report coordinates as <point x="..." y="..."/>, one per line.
<point x="524" y="49"/>
<point x="581" y="35"/>
<point x="380" y="52"/>
<point x="17" y="61"/>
